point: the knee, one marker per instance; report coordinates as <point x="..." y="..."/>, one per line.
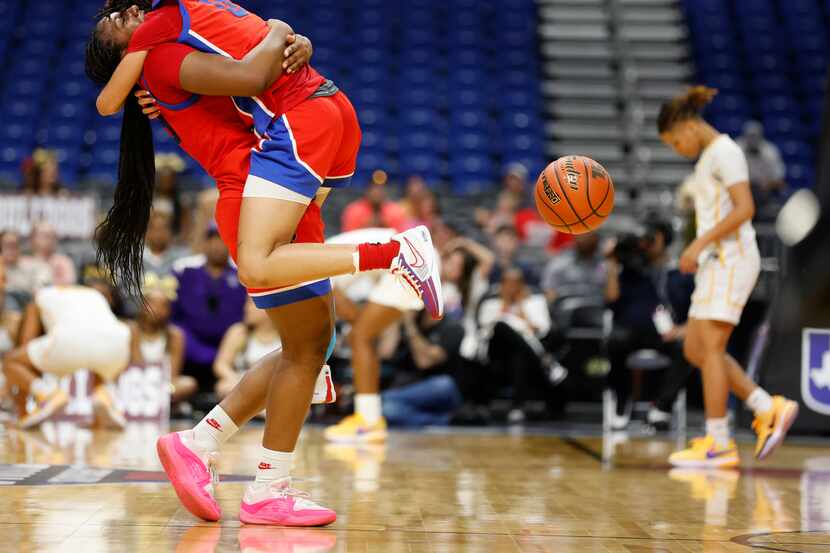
<point x="311" y="352"/>
<point x="251" y="271"/>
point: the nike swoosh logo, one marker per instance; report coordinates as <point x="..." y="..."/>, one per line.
<point x="716" y="454"/>
<point x="419" y="259"/>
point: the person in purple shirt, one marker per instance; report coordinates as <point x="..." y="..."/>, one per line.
<point x="210" y="300"/>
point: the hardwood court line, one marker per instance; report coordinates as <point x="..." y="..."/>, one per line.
<point x="744" y="539"/>
<point x="582" y="448"/>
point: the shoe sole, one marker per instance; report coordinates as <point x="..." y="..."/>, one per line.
<point x="780" y="432"/>
<point x="719" y="463"/>
<point x="108" y="416"/>
<point x="189" y="493"/>
<point x="367" y="438"/>
<point x="38" y="418"/>
<point x="300" y="522"/>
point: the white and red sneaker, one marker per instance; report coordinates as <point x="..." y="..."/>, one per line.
<point x="324" y="387"/>
<point x="418" y="266"/>
<point x="191" y="472"/>
<point x="277" y="503"/>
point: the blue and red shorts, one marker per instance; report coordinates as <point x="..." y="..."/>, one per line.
<point x="312" y="146"/>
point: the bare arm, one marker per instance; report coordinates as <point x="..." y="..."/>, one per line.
<point x="486" y="259"/>
<point x="425" y="354"/>
<point x="175" y="347"/>
<point x="135" y="350"/>
<point x="231" y="344"/>
<point x="612" y="281"/>
<point x="116" y="91"/>
<point x="214" y="75"/>
<point x="32" y="326"/>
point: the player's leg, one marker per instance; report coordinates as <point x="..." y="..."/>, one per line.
<point x="107" y="355"/>
<point x="706" y="347"/>
<point x="367" y="423"/>
<point x="23" y="368"/>
<point x="306" y="328"/>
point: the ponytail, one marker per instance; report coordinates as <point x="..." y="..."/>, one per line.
<point x="121" y="234"/>
<point x="682" y="108"/>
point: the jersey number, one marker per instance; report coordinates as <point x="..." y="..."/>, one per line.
<point x="226" y="5"/>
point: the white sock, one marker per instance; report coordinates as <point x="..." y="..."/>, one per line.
<point x="368" y="406"/>
<point x="215" y="429"/>
<point x="273" y="465"/>
<point x="759" y="401"/>
<point x="719" y="430"/>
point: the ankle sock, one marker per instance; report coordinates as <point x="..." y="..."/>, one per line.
<point x="214" y="430"/>
<point x="719" y="430"/>
<point x="368" y="406"/>
<point x="273" y="465"/>
<point x="759" y="401"/>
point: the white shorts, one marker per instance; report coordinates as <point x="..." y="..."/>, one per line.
<point x="722" y="288"/>
<point x="103" y="350"/>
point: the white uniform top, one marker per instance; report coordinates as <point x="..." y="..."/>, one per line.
<point x="254" y="351"/>
<point x="154" y="350"/>
<point x="721" y="165"/>
<point x="73" y="306"/>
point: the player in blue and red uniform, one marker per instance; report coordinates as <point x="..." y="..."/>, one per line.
<point x="296" y="153"/>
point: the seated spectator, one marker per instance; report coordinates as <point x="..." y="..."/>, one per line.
<point x="415" y="191"/>
<point x="203" y="218"/>
<point x="66" y="329"/>
<point x="155" y="341"/>
<point x="431" y="353"/>
<point x="167" y="197"/>
<point x="374" y="210"/>
<point x="9" y="326"/>
<point x="159" y="252"/>
<point x="44" y="241"/>
<point x="24" y="275"/>
<point x="578" y="271"/>
<point x="642" y="280"/>
<point x="465" y="271"/>
<point x="506" y="247"/>
<point x="40" y="174"/>
<point x="244" y="344"/>
<point x="511" y="327"/>
<point x="766" y="170"/>
<point x="210" y="300"/>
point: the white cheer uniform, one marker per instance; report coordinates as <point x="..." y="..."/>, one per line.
<point x="380" y="287"/>
<point x="727" y="270"/>
<point x="81" y="333"/>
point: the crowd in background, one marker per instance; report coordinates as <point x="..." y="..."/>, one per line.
<point x="518" y="297"/>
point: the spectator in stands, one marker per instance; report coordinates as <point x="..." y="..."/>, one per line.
<point x="415" y="191"/>
<point x="642" y="281"/>
<point x="431" y="353"/>
<point x="168" y="194"/>
<point x="514" y="181"/>
<point x="210" y="300"/>
<point x="766" y="170"/>
<point x="155" y="340"/>
<point x="9" y="326"/>
<point x="44" y="241"/>
<point x="244" y="344"/>
<point x="24" y="275"/>
<point x="40" y="174"/>
<point x="203" y="218"/>
<point x="578" y="271"/>
<point x="465" y="271"/>
<point x="374" y="210"/>
<point x="506" y="247"/>
<point x="511" y="327"/>
<point x="159" y="252"/>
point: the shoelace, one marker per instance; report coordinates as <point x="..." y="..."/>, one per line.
<point x="410" y="277"/>
<point x="212" y="457"/>
<point x="288" y="491"/>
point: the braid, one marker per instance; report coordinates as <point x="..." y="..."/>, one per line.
<point x="684" y="107"/>
<point x="121" y="234"/>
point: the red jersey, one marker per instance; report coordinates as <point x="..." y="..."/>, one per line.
<point x="206" y="127"/>
<point x="222" y="27"/>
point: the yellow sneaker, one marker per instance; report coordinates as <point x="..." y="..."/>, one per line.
<point x="355" y="429"/>
<point x="704" y="453"/>
<point x="53" y="403"/>
<point x="772" y="426"/>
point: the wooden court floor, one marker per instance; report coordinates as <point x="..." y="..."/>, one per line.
<point x="73" y="490"/>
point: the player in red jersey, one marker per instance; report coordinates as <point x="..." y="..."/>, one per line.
<point x="303" y="314"/>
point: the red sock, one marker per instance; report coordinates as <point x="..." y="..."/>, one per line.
<point x="377" y="256"/>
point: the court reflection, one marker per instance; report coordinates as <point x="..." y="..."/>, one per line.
<point x="256" y="539"/>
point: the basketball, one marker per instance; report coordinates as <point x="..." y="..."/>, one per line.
<point x="574" y="194"/>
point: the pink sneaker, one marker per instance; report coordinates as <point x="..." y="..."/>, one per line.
<point x="191" y="474"/>
<point x="281" y="505"/>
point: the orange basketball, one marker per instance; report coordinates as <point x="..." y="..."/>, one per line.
<point x="574" y="194"/>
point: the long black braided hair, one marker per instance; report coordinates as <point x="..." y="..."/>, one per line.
<point x="121" y="234"/>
